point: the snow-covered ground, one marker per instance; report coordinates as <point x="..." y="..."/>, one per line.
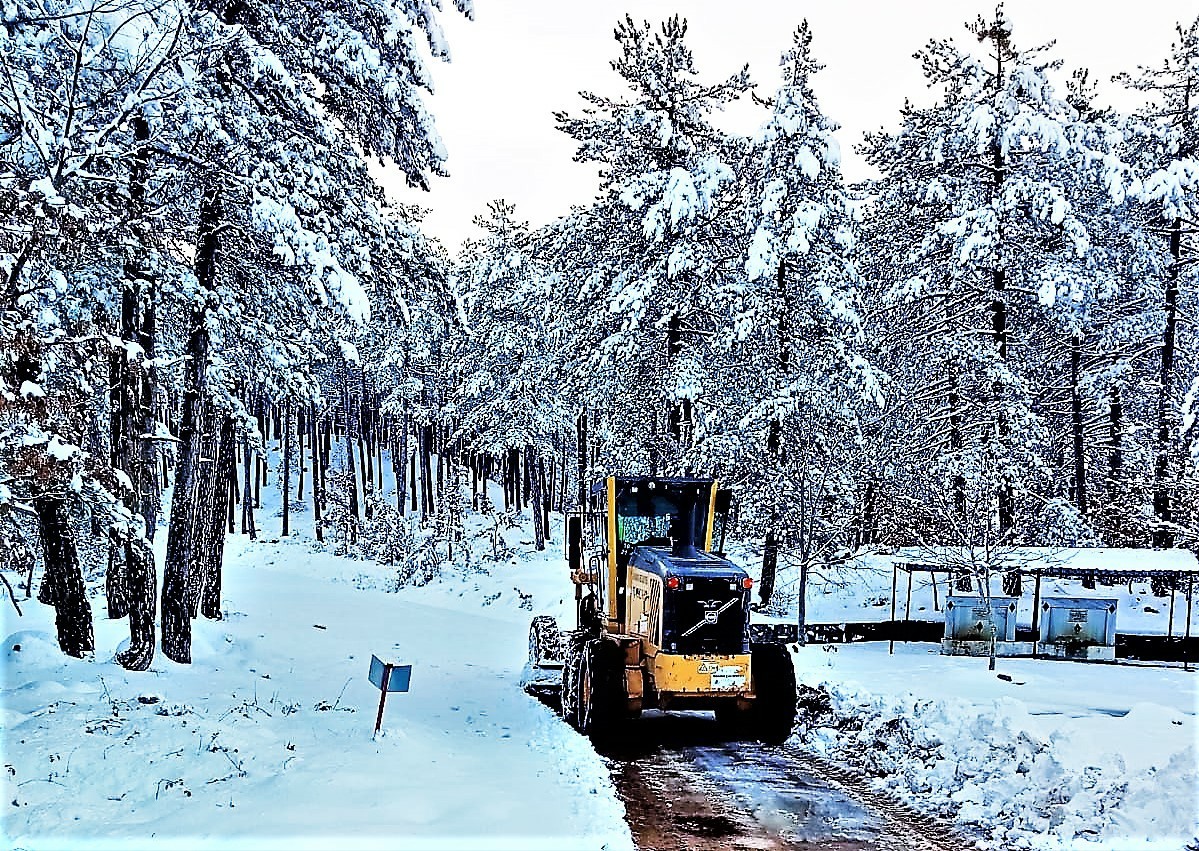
<point x="265" y="741"/>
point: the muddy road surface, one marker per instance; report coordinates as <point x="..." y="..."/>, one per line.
<point x="687" y="789"/>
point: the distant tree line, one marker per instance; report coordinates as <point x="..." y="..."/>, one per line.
<point x="993" y="340"/>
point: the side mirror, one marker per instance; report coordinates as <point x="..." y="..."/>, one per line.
<point x="574" y="542"/>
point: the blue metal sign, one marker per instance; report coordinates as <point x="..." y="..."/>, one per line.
<point x="387" y="677"/>
<point x="397" y="677"/>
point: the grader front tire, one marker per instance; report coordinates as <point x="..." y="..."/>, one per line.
<point x="602" y="696"/>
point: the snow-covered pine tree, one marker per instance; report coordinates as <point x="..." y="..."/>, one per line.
<point x="1090" y="338"/>
<point x="1166" y="150"/>
<point x="509" y="399"/>
<point x="277" y="115"/>
<point x="796" y="334"/>
<point x="87" y="93"/>
<point x="412" y="305"/>
<point x="969" y="213"/>
<point x="649" y="256"/>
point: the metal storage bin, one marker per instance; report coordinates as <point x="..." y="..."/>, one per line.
<point x="1078" y="627"/>
<point x="966" y="619"/>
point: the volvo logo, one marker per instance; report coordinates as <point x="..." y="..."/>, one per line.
<point x="713" y="609"/>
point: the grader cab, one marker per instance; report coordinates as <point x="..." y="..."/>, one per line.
<point x="662" y="621"/>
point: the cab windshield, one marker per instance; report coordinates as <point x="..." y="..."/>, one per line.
<point x="650" y="517"/>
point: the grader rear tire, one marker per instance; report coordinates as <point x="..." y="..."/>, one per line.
<point x="773" y="715"/>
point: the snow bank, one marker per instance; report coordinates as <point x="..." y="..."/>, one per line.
<point x="1102" y="768"/>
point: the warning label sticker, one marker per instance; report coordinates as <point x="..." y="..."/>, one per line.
<point x="728" y="681"/>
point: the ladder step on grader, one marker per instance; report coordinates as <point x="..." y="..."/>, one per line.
<point x="662" y="621"/>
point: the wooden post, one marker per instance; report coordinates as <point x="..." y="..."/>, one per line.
<point x="382" y="697"/>
<point x="894" y="588"/>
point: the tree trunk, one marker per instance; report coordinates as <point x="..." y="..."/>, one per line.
<point x="442" y="458"/>
<point x="363" y="464"/>
<point x="1076" y="427"/>
<point x="63" y="581"/>
<point x="999" y="319"/>
<point x="514" y="470"/>
<point x="301" y="434"/>
<point x="801" y="607"/>
<point x="146" y="481"/>
<point x="1006" y="494"/>
<point x="535" y="498"/>
<point x="349" y="440"/>
<point x="411" y="462"/>
<point x="546" y="497"/>
<point x="260" y="458"/>
<point x="143" y="589"/>
<point x="352" y="472"/>
<point x="953" y="401"/>
<point x="116" y="584"/>
<point x="399" y="461"/>
<point x="231" y="498"/>
<point x="182" y="533"/>
<point x="428" y="506"/>
<point x="213" y="554"/>
<point x="285" y="461"/>
<point x="120" y="440"/>
<point x="318" y="478"/>
<point x="770" y="563"/>
<point x="582" y="452"/>
<point x="247" y="502"/>
<point x="365" y="445"/>
<point x="1163" y="507"/>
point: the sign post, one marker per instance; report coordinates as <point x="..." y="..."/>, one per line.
<point x="387" y="676"/>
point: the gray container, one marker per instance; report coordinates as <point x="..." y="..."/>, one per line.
<point x="1078" y="621"/>
<point x="966" y="619"/>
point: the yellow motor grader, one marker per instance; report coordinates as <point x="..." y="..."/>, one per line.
<point x="662" y="620"/>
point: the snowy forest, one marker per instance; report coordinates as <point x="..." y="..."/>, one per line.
<point x="991" y="343"/>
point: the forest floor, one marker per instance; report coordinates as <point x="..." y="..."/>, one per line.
<point x="266" y="740"/>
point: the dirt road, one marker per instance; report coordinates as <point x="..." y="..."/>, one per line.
<point x="687" y="790"/>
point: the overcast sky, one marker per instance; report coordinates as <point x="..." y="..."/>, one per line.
<point x="520" y="60"/>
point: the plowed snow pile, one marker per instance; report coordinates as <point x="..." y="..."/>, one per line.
<point x="1053" y="755"/>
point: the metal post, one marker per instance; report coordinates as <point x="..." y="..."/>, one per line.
<point x="907" y="609"/>
<point x="1036" y="613"/>
<point x="894" y="588"/>
<point x="1186" y="652"/>
<point x="382" y="697"/>
<point x="1170" y="625"/>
